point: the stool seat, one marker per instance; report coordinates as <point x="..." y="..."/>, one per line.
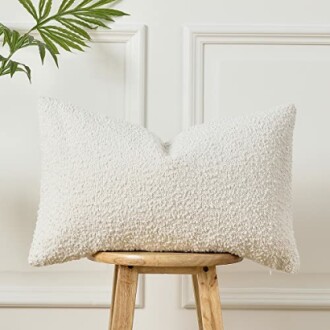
<point x="202" y="267"/>
<point x="165" y="259"/>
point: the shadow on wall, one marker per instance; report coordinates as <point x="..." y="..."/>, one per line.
<point x="311" y="223"/>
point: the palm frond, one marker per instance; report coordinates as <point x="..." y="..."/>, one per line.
<point x="67" y="28"/>
<point x="28" y="5"/>
<point x="10" y="67"/>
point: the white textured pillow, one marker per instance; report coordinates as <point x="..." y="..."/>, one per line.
<point x="110" y="185"/>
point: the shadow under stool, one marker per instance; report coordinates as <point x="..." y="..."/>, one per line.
<point x="202" y="267"/>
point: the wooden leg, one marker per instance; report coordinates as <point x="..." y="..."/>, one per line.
<point x="114" y="287"/>
<point x="208" y="302"/>
<point x="124" y="298"/>
<point x="198" y="303"/>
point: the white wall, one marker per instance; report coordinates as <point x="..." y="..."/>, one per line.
<point x="196" y="64"/>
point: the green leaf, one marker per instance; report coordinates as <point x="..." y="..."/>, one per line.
<point x="80" y="22"/>
<point x="7" y="33"/>
<point x="66" y="4"/>
<point x="63" y="4"/>
<point x="41" y="7"/>
<point x="49" y="44"/>
<point x="91" y="21"/>
<point x="28" y="5"/>
<point x="109" y="12"/>
<point x="5" y="72"/>
<point x="101" y="3"/>
<point x="42" y="51"/>
<point x="2" y="27"/>
<point x="71" y="40"/>
<point x="76" y="29"/>
<point x="70" y="33"/>
<point x="94" y="14"/>
<point x="13" y="68"/>
<point x="23" y="42"/>
<point x="66" y="33"/>
<point x="28" y="72"/>
<point x="31" y="39"/>
<point x="11" y="37"/>
<point x="47" y="10"/>
<point x="84" y="3"/>
<point x="58" y="40"/>
<point x="99" y="13"/>
<point x="53" y="55"/>
<point x="14" y="40"/>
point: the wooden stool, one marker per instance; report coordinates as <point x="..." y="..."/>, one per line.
<point x="202" y="266"/>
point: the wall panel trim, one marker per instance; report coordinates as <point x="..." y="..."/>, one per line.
<point x="134" y="36"/>
<point x="62" y="297"/>
<point x="197" y="37"/>
<point x="265" y="298"/>
<point x="195" y="40"/>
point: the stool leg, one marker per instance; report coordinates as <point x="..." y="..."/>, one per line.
<point x="122" y="312"/>
<point x="114" y="287"/>
<point x="207" y="299"/>
<point x="198" y="303"/>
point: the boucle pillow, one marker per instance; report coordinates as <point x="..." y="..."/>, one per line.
<point x="110" y="185"/>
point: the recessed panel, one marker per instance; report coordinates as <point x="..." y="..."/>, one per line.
<point x="95" y="80"/>
<point x="241" y="79"/>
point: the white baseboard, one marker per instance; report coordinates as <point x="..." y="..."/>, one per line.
<point x="268" y="298"/>
<point x="61" y="297"/>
